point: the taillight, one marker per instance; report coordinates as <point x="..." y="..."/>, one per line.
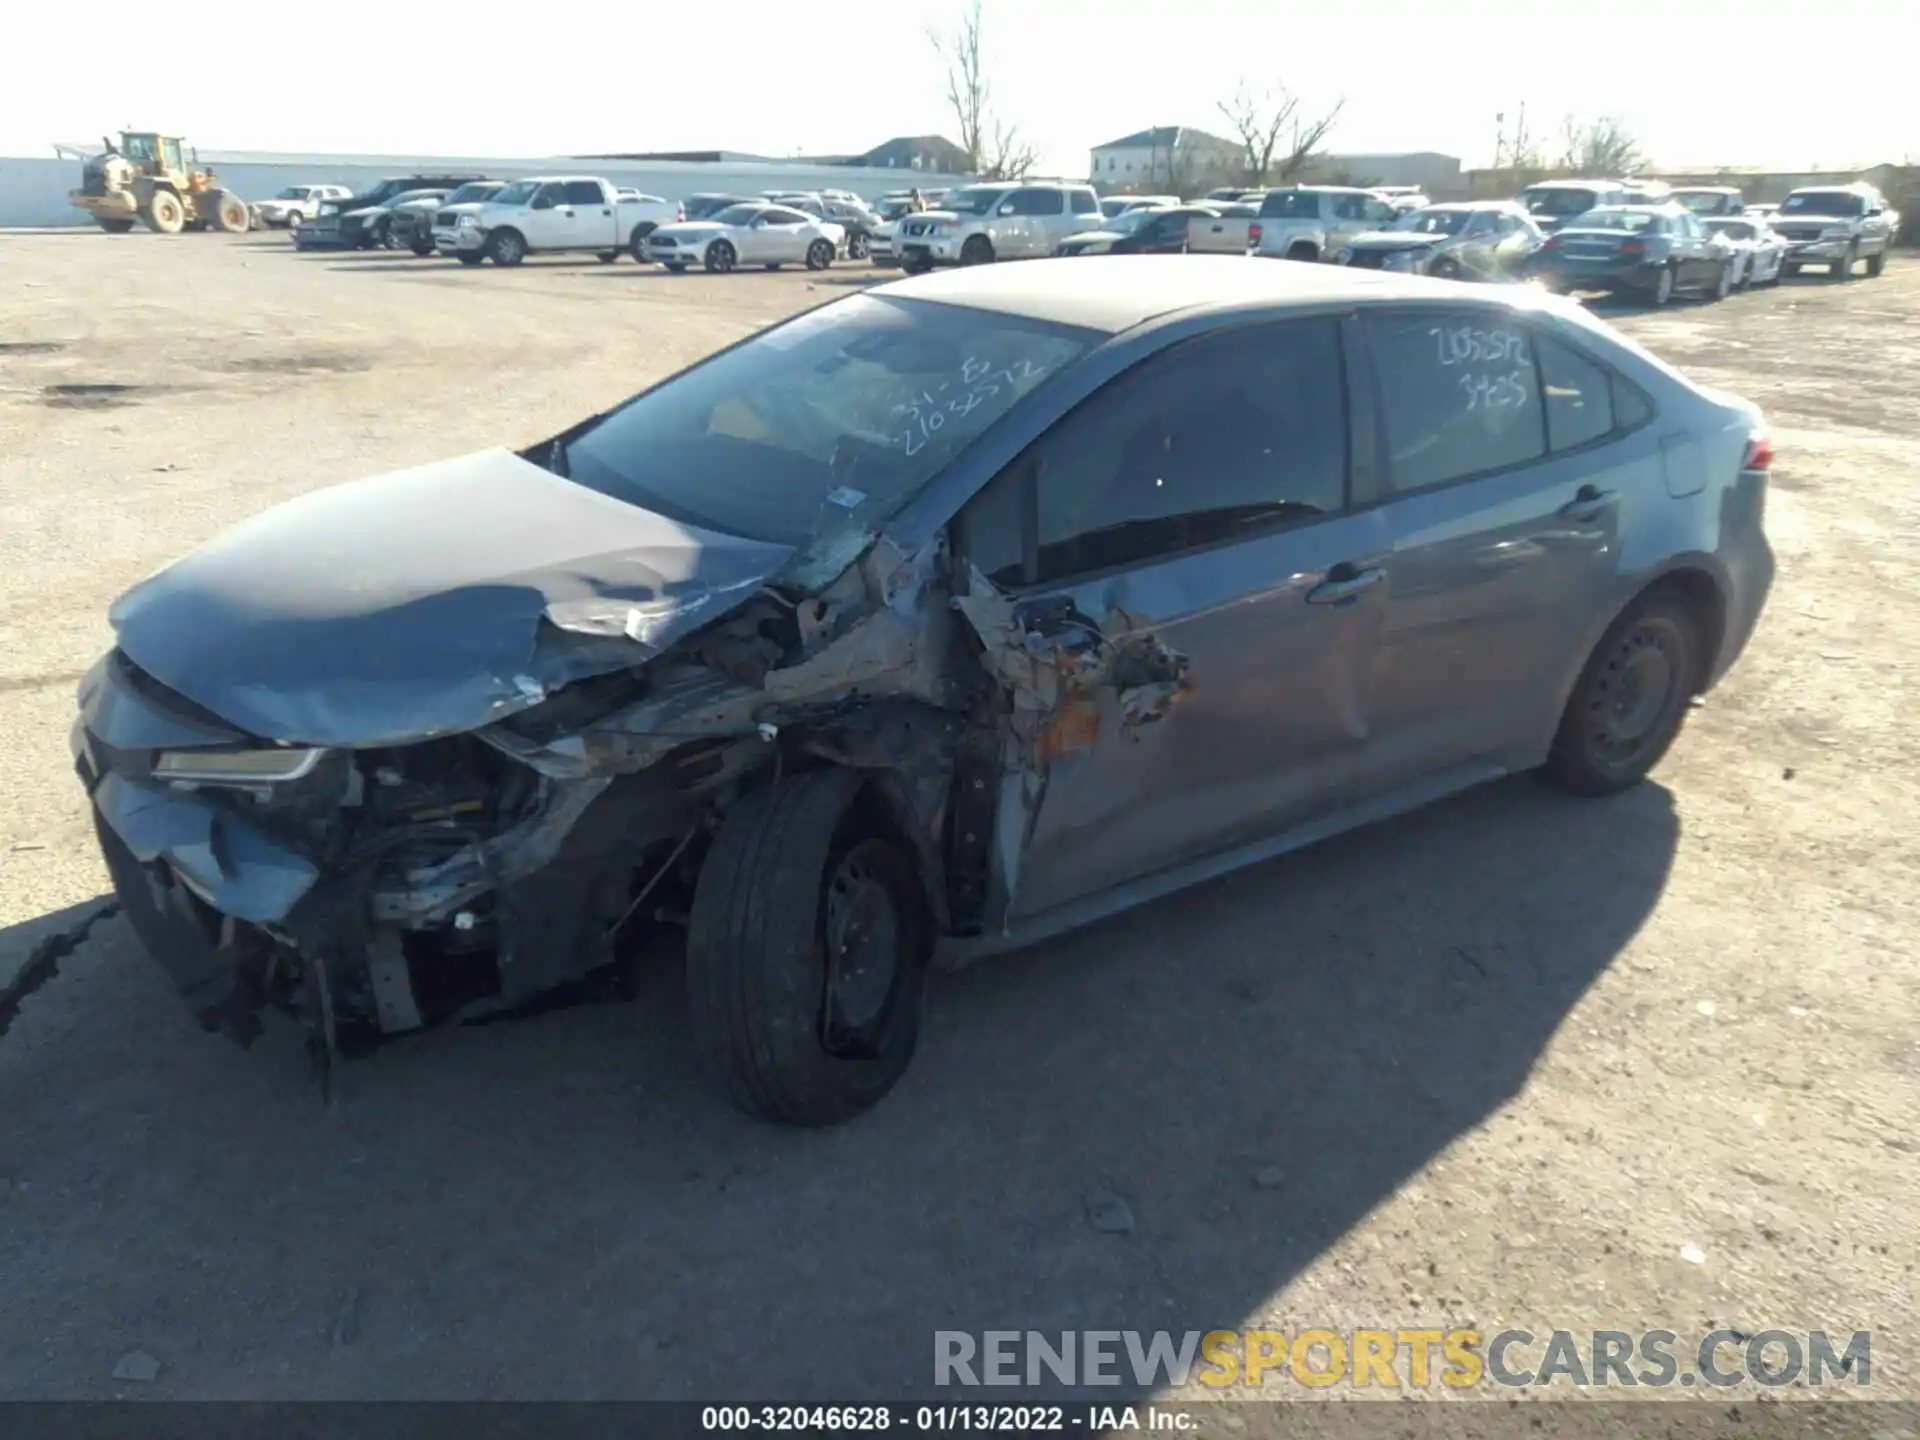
<point x="1253" y="233"/>
<point x="1633" y="247"/>
<point x="1759" y="453"/>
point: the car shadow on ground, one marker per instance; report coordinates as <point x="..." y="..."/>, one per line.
<point x="561" y="1206"/>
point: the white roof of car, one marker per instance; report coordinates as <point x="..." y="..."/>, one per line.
<point x="1117" y="292"/>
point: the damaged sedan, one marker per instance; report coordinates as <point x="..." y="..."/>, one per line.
<point x="930" y="622"/>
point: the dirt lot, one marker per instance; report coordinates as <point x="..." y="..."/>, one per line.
<point x="1517" y="1060"/>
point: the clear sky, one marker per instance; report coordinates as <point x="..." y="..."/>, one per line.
<point x="1697" y="83"/>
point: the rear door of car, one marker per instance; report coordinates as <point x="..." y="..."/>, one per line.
<point x="1184" y="530"/>
<point x="1043" y="219"/>
<point x="1509" y="458"/>
<point x="594" y="224"/>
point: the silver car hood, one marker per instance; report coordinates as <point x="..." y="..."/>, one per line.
<point x="428" y="601"/>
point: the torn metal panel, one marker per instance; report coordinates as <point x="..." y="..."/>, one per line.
<point x="427" y="602"/>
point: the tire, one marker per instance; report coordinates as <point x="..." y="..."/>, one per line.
<point x="228" y="213"/>
<point x="116" y="227"/>
<point x="678" y="267"/>
<point x="795" y="877"/>
<point x="1445" y="268"/>
<point x="1875" y="264"/>
<point x="1598" y="749"/>
<point x="606" y="257"/>
<point x="977" y="251"/>
<point x="720" y="257"/>
<point x="422" y="248"/>
<point x="1787" y="270"/>
<point x="1843" y="270"/>
<point x="857" y="246"/>
<point x="915" y="265"/>
<point x="1663" y="287"/>
<point x="506" y="247"/>
<point x="164" y="214"/>
<point x="1723" y="285"/>
<point x="1303" y="252"/>
<point x="469" y="257"/>
<point x="819" y="255"/>
<point x="637" y="241"/>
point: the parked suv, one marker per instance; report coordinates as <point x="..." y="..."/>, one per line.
<point x="1834" y="226"/>
<point x="1002" y="221"/>
<point x="1312" y="222"/>
<point x="1552" y="203"/>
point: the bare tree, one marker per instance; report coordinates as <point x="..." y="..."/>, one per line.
<point x="1602" y="147"/>
<point x="994" y="148"/>
<point x="1259" y="121"/>
<point x="1520" y="149"/>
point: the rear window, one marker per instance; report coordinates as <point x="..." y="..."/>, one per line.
<point x="1290" y="205"/>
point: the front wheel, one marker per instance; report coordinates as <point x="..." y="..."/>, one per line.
<point x="506" y="247"/>
<point x="468" y="257"/>
<point x="1663" y="286"/>
<point x="857" y="246"/>
<point x="606" y="257"/>
<point x="1843" y="269"/>
<point x="720" y="257"/>
<point x="1631" y="698"/>
<point x="977" y="251"/>
<point x="807" y="951"/>
<point x="1875" y="264"/>
<point x="1787" y="271"/>
<point x="1723" y="284"/>
<point x="819" y="255"/>
<point x="678" y="267"/>
<point x="115" y="227"/>
<point x="422" y="248"/>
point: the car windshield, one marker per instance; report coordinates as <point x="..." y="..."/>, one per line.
<point x="1558" y="201"/>
<point x="737" y="215"/>
<point x="1433" y="222"/>
<point x="1823" y="202"/>
<point x="1732" y="229"/>
<point x="1631" y="221"/>
<point x="830" y="420"/>
<point x="1290" y="205"/>
<point x="468" y="193"/>
<point x="974" y="201"/>
<point x="518" y="193"/>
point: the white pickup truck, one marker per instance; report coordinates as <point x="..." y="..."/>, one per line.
<point x="553" y="213"/>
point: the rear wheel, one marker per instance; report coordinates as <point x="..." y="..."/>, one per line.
<point x="164" y="213"/>
<point x="606" y="257"/>
<point x="915" y="264"/>
<point x="1663" y="286"/>
<point x="857" y="245"/>
<point x="1875" y="264"/>
<point x="422" y="248"/>
<point x="1630" y="699"/>
<point x="1445" y="268"/>
<point x="637" y="241"/>
<point x="807" y="951"/>
<point x="819" y="255"/>
<point x="678" y="267"/>
<point x="115" y="227"/>
<point x="469" y="257"/>
<point x="720" y="257"/>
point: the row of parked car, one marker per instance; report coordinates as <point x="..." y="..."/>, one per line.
<point x="1641" y="237"/>
<point x="1568" y="234"/>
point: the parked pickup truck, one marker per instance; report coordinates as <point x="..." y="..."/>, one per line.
<point x="1312" y="222"/>
<point x="1229" y="231"/>
<point x="556" y="213"/>
<point x="1835" y="226"/>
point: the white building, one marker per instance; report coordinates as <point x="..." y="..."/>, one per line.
<point x="1167" y="155"/>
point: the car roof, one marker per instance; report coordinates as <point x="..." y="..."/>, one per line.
<point x="1115" y="293"/>
<point x="1576" y="185"/>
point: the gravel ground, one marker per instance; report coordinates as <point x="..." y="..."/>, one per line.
<point x="1517" y="1060"/>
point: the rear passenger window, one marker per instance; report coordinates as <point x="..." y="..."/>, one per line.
<point x="1459" y="396"/>
<point x="1216" y="438"/>
<point x="1631" y="409"/>
<point x="1578" y="395"/>
<point x="584" y="192"/>
<point x="1040" y="202"/>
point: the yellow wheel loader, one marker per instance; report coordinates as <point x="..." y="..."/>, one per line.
<point x="143" y="178"/>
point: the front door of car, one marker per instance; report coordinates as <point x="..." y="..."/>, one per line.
<point x="1174" y="551"/>
<point x="1504" y="515"/>
<point x="544" y="222"/>
<point x="1164" y="234"/>
<point x="1699" y="259"/>
<point x="787" y="236"/>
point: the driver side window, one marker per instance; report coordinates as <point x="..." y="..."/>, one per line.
<point x="547" y="196"/>
<point x="1215" y="438"/>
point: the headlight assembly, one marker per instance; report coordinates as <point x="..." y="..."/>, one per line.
<point x="236" y="767"/>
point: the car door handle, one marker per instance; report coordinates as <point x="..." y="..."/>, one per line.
<point x="1344" y="583"/>
<point x="1589" y="503"/>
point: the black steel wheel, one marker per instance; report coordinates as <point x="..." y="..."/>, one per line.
<point x="1631" y="698"/>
